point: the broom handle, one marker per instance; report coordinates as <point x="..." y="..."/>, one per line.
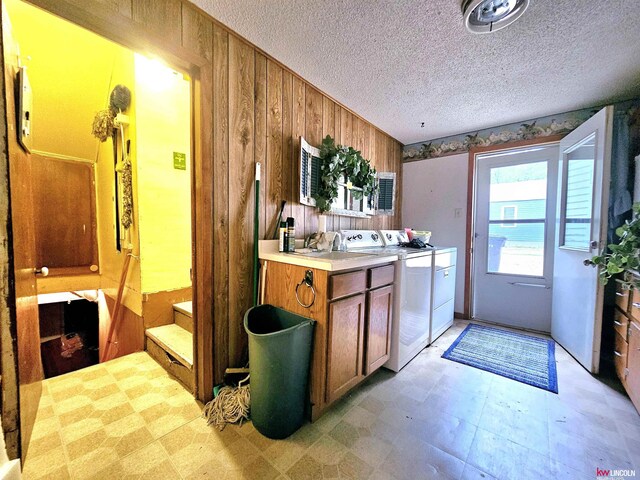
<point x="118" y="306"/>
<point x="256" y="226"/>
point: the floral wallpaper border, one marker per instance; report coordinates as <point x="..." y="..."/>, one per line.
<point x="540" y="127"/>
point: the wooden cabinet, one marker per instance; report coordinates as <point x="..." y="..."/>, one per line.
<point x="345" y="345"/>
<point x="378" y="334"/>
<point x="354" y="313"/>
<point x="632" y="383"/>
<point x="626" y="323"/>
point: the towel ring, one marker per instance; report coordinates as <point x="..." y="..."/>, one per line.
<point x="308" y="281"/>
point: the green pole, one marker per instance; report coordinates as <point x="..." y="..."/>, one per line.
<point x="256" y="224"/>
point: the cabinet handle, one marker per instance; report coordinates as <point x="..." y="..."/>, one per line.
<point x="446" y="273"/>
<point x="617" y="353"/>
<point x="635" y="304"/>
<point x="621" y="294"/>
<point x="618" y="323"/>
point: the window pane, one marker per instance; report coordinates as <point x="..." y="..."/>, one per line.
<point x="518" y="192"/>
<point x="517" y="249"/>
<point x="579" y="195"/>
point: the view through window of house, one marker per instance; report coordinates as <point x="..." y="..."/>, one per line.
<point x="578" y="187"/>
<point x="518" y="193"/>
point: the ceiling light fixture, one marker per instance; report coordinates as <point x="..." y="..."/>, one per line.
<point x="486" y="16"/>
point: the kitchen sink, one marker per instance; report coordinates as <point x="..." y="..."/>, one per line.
<point x="333" y="255"/>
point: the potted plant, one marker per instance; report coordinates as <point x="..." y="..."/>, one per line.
<point x="624" y="255"/>
<point x="343" y="166"/>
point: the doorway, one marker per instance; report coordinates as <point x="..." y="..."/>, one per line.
<point x="75" y="188"/>
<point x="514" y="218"/>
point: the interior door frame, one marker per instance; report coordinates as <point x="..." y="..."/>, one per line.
<point x="471" y="207"/>
<point x="107" y="23"/>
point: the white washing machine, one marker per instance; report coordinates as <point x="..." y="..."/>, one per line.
<point x="413" y="290"/>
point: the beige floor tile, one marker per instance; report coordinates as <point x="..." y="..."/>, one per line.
<point x="44" y="444"/>
<point x="93" y="462"/>
<point x="307" y="468"/>
<point x="503" y="458"/>
<point x="411" y="459"/>
<point x="530" y="431"/>
<point x="260" y="468"/>
<point x="284" y="454"/>
<point x="327" y="451"/>
<point x="80" y="429"/>
<point x="145" y="459"/>
<point x="45" y="427"/>
<point x="83" y="446"/>
<point x="128" y="418"/>
<point x="446" y="432"/>
<point x="585" y="455"/>
<point x="472" y="473"/>
<point x="43" y="465"/>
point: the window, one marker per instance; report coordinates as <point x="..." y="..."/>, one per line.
<point x="508" y="212"/>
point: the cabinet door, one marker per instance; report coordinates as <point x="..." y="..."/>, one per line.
<point x="378" y="331"/>
<point x="633" y="364"/>
<point x="344" y="345"/>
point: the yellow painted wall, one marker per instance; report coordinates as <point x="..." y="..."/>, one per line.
<point x="110" y="259"/>
<point x="72" y="72"/>
<point x="163" y="117"/>
<point x="69" y="73"/>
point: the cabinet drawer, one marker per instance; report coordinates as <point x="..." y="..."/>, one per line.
<point x="346" y="284"/>
<point x="620" y="323"/>
<point x="380" y="276"/>
<point x="622" y="296"/>
<point x="620" y="356"/>
<point x="634" y="308"/>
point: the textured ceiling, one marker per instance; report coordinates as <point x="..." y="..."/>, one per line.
<point x="398" y="63"/>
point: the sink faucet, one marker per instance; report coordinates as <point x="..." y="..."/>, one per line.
<point x="311" y="241"/>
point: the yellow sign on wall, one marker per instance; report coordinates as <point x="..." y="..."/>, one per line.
<point x="179" y="161"/>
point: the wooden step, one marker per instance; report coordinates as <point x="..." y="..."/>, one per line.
<point x="172" y="347"/>
<point x="183" y="315"/>
<point x="175" y="340"/>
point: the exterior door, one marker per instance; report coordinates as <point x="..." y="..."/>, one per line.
<point x="514" y="233"/>
<point x="581" y="232"/>
<point x="21" y="363"/>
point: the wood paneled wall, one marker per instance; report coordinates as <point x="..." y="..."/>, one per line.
<point x="258" y="109"/>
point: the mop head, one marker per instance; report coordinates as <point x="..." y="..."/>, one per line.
<point x="103" y="125"/>
<point x="120" y="98"/>
<point x="230" y="406"/>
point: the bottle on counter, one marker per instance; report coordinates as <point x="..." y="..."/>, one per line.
<point x="291" y="235"/>
<point x="283" y="242"/>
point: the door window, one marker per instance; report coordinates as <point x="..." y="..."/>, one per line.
<point x="517" y="211"/>
<point x="577" y="195"/>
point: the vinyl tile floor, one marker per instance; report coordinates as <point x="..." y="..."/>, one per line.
<point x="435" y="419"/>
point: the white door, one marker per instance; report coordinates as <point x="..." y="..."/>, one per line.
<point x="581" y="232"/>
<point x="514" y="234"/>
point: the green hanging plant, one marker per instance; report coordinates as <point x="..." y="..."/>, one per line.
<point x="339" y="163"/>
<point x="624" y="255"/>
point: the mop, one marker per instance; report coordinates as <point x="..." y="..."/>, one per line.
<point x="232" y="404"/>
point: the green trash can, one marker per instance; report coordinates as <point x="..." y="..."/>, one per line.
<point x="280" y="344"/>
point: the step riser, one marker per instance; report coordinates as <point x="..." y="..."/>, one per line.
<point x="175" y="368"/>
<point x="183" y="320"/>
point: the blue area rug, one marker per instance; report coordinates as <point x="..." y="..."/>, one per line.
<point x="524" y="358"/>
